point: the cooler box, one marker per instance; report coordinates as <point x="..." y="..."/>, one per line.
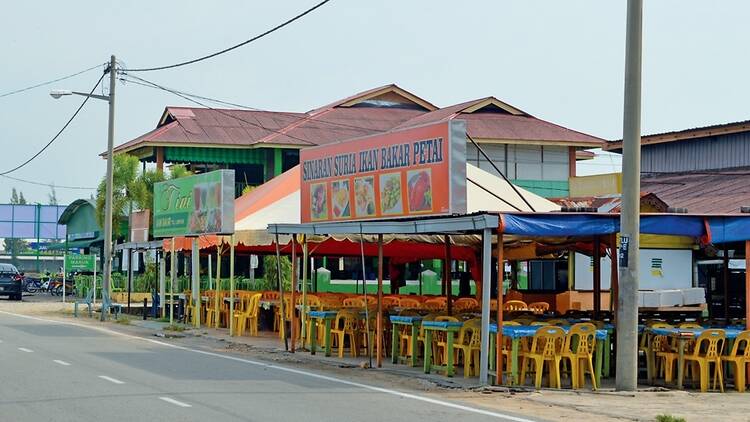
<point x="693" y="296"/>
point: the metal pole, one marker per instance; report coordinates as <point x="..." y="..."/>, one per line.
<point x="94" y="283"/>
<point x="163" y="284"/>
<point x="747" y="284"/>
<point x="231" y="286"/>
<point x="499" y="310"/>
<point x="282" y="319"/>
<point x="210" y="269"/>
<point x="597" y="256"/>
<point x="217" y="292"/>
<point x="172" y="271"/>
<point x="303" y="312"/>
<point x="447" y="275"/>
<point x="64" y="274"/>
<point x="195" y="293"/>
<point x="725" y="282"/>
<point x="130" y="275"/>
<point x="613" y="279"/>
<point x="379" y="359"/>
<point x="108" y="199"/>
<point x="367" y="305"/>
<point x="293" y="295"/>
<point x="627" y="320"/>
<point x="484" y="357"/>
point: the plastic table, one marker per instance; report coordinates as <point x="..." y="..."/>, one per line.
<point x="408" y="321"/>
<point x="517" y="332"/>
<point x="682" y="335"/>
<point x="326" y="317"/>
<point x="450" y="328"/>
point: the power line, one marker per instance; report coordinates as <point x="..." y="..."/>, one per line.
<point x="47" y="184"/>
<point x="153" y="85"/>
<point x="226" y="50"/>
<point x="85" y="100"/>
<point x="17" y="91"/>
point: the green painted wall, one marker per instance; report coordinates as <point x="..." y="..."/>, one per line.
<point x="83" y="221"/>
<point x="545" y="188"/>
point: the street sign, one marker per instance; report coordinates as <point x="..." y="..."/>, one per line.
<point x="76" y="262"/>
<point x="195" y="205"/>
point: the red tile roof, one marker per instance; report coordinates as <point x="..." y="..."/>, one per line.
<point x="702" y="193"/>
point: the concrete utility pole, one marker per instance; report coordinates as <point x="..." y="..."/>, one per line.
<point x="106" y="278"/>
<point x="627" y="309"/>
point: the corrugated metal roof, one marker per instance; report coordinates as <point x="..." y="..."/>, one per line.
<point x="610" y="203"/>
<point x="702" y="193"/>
<point x="692" y="133"/>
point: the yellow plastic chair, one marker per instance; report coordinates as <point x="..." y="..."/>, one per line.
<point x="558" y="322"/>
<point x="354" y="302"/>
<point x="346" y="324"/>
<point x="546" y="347"/>
<point x="708" y="350"/>
<point x="515" y="305"/>
<point x="578" y="349"/>
<point x="409" y="303"/>
<point x="539" y="323"/>
<point x="739" y="356"/>
<point x="538" y="307"/>
<point x="390" y="302"/>
<point x="211" y="314"/>
<point x="435" y="305"/>
<point x="468" y="343"/>
<point x="465" y="304"/>
<point x="248" y="317"/>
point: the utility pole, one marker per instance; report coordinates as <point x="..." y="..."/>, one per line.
<point x="107" y="274"/>
<point x="627" y="309"/>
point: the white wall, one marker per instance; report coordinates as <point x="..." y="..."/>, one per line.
<point x="525" y="162"/>
<point x="676" y="270"/>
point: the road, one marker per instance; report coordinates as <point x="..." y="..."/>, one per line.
<point x="56" y="371"/>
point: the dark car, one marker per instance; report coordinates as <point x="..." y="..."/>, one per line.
<point x="10" y="282"/>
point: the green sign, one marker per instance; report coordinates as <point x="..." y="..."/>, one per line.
<point x="195" y="205"/>
<point x="77" y="262"/>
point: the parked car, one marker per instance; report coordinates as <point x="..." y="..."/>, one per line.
<point x="10" y="281"/>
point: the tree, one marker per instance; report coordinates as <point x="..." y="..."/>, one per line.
<point x="131" y="190"/>
<point x="53" y="196"/>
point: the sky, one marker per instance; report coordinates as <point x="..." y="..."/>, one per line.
<point x="559" y="61"/>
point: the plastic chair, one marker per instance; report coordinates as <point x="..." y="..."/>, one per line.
<point x="389" y="302"/>
<point x="558" y="322"/>
<point x="346" y="324"/>
<point x="409" y="303"/>
<point x="439" y="338"/>
<point x="211" y="314"/>
<point x="467" y="343"/>
<point x="248" y="316"/>
<point x="740" y="357"/>
<point x="708" y="350"/>
<point x="270" y="295"/>
<point x="435" y="305"/>
<point x="465" y="304"/>
<point x="354" y="302"/>
<point x="546" y="347"/>
<point x="538" y="307"/>
<point x="579" y="351"/>
<point x="515" y="305"/>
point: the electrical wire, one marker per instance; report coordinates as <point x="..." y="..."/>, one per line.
<point x="153" y="85"/>
<point x="226" y="50"/>
<point x="17" y="91"/>
<point x="47" y="184"/>
<point x="85" y="100"/>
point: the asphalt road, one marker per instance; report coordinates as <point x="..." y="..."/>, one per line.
<point x="61" y="372"/>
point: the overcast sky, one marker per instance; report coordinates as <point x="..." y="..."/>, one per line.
<point x="561" y="61"/>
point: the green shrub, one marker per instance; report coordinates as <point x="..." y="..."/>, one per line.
<point x="669" y="418"/>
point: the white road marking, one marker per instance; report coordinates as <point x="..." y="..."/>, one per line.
<point x="290" y="370"/>
<point x="61" y="362"/>
<point x="23" y="349"/>
<point x="112" y="380"/>
<point x="175" y="402"/>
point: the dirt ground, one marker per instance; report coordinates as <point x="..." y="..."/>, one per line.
<point x="552" y="405"/>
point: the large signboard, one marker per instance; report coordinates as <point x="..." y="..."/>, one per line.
<point x="416" y="171"/>
<point x="195" y="205"/>
<point x="76" y="262"/>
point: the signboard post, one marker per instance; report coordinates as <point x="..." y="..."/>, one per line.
<point x="193" y="206"/>
<point x="418" y="171"/>
<point x="79" y="262"/>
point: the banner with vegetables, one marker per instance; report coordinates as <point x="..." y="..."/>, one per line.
<point x="415" y="171"/>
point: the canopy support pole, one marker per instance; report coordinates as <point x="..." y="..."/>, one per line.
<point x="379" y="359"/>
<point x="162" y="284"/>
<point x="172" y="275"/>
<point x="210" y="270"/>
<point x="725" y="282"/>
<point x="293" y="295"/>
<point x="499" y="311"/>
<point x="447" y="274"/>
<point x="485" y="337"/>
<point x="230" y="317"/>
<point x="597" y="276"/>
<point x="367" y="304"/>
<point x="195" y="301"/>
<point x="217" y="294"/>
<point x="303" y="312"/>
<point x="282" y="317"/>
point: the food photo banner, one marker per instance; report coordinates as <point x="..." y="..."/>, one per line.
<point x="195" y="205"/>
<point x="417" y="171"/>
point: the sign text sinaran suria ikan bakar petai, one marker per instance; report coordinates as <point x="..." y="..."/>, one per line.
<point x="426" y="151"/>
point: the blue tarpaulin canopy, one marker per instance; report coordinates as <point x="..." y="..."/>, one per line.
<point x="714" y="229"/>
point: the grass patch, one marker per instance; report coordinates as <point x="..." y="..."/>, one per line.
<point x="123" y="321"/>
<point x="669" y="418"/>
